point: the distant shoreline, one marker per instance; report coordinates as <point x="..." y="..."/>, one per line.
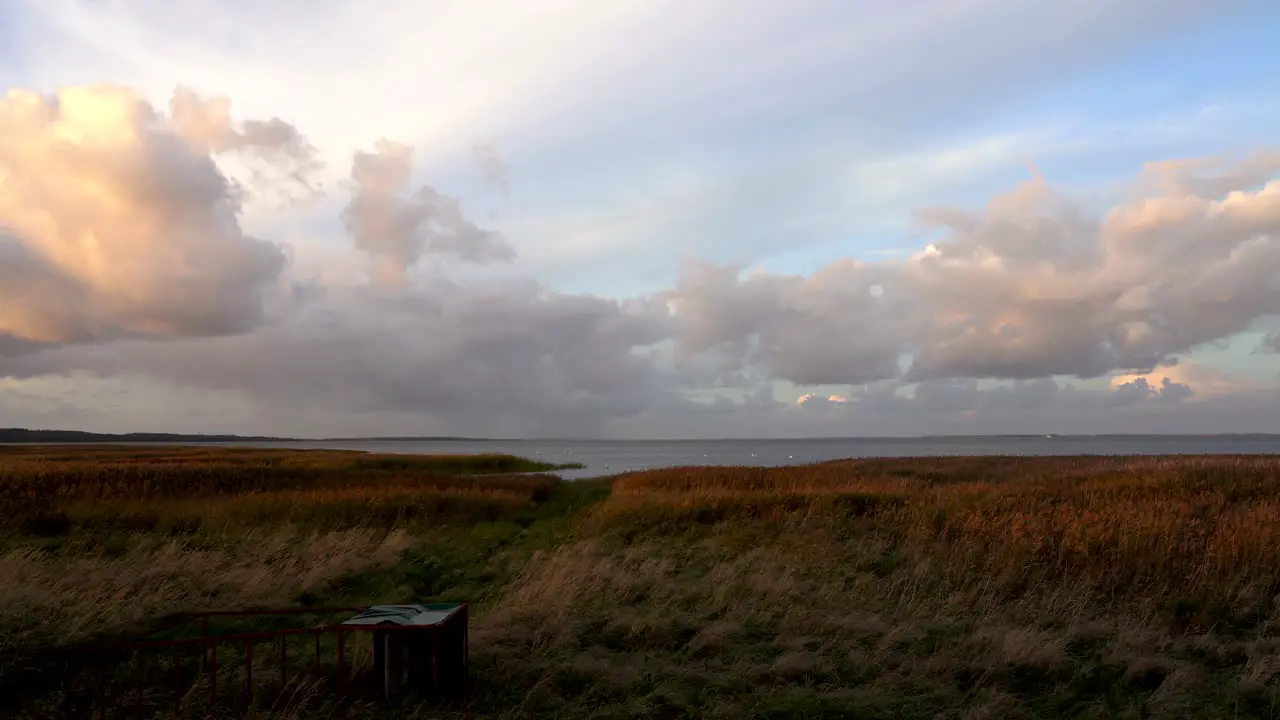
<point x="23" y="436"/>
<point x="14" y="436"/>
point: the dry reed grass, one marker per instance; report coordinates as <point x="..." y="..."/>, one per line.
<point x="59" y="598"/>
<point x="36" y="481"/>
<point x="1207" y="526"/>
<point x="109" y="537"/>
<point x="917" y="588"/>
<point x="967" y="587"/>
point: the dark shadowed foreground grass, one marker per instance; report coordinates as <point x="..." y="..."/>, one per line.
<point x="955" y="588"/>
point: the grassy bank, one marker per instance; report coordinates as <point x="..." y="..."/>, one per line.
<point x="957" y="587"/>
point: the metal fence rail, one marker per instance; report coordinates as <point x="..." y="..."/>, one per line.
<point x="432" y="657"/>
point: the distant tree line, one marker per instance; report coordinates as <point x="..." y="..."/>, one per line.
<point x="23" y="435"/>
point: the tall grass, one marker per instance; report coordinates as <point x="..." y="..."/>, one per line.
<point x="45" y="489"/>
<point x="1101" y="587"/>
<point x="966" y="587"/>
<point x="97" y="540"/>
<point x="1207" y="526"/>
<point x="51" y="599"/>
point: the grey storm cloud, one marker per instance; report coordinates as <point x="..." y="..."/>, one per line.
<point x="115" y="222"/>
<point x="518" y="351"/>
<point x="398" y="229"/>
<point x="1032" y="286"/>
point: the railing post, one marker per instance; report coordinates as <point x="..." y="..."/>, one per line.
<point x="177" y="680"/>
<point x="248" y="670"/>
<point x="213" y="673"/>
<point x="341" y="642"/>
<point x="140" y="673"/>
<point x="102" y="687"/>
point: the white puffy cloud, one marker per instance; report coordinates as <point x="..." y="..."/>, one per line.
<point x="1212" y="176"/>
<point x="1033" y="286"/>
<point x="115" y="221"/>
<point x="398" y="230"/>
<point x="207" y="125"/>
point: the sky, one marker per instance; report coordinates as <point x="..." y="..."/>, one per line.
<point x="640" y="218"/>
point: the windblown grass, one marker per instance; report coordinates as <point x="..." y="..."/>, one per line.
<point x="102" y="541"/>
<point x="966" y="587"/>
<point x="35" y="481"/>
<point x="53" y="599"/>
<point x="1131" y="527"/>
<point x="916" y="588"/>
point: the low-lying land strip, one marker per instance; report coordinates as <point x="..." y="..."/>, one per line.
<point x="945" y="587"/>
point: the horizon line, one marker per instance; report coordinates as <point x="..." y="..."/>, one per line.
<point x="138" y="436"/>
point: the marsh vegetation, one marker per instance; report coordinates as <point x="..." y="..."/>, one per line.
<point x="946" y="587"/>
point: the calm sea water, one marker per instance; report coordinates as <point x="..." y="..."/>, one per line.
<point x="609" y="457"/>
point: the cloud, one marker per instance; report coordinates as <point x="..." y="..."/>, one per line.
<point x="207" y="126"/>
<point x="1032" y="286"/>
<point x="660" y="87"/>
<point x="117" y="228"/>
<point x="828" y="328"/>
<point x="516" y="356"/>
<point x="1212" y="176"/>
<point x="1173" y="392"/>
<point x="816" y="400"/>
<point x="397" y="230"/>
<point x="116" y="222"/>
<point x="1271" y="343"/>
<point x="282" y="150"/>
<point x="493" y="169"/>
<point x="957" y="407"/>
<point x="1179" y="382"/>
<point x="1132" y="391"/>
